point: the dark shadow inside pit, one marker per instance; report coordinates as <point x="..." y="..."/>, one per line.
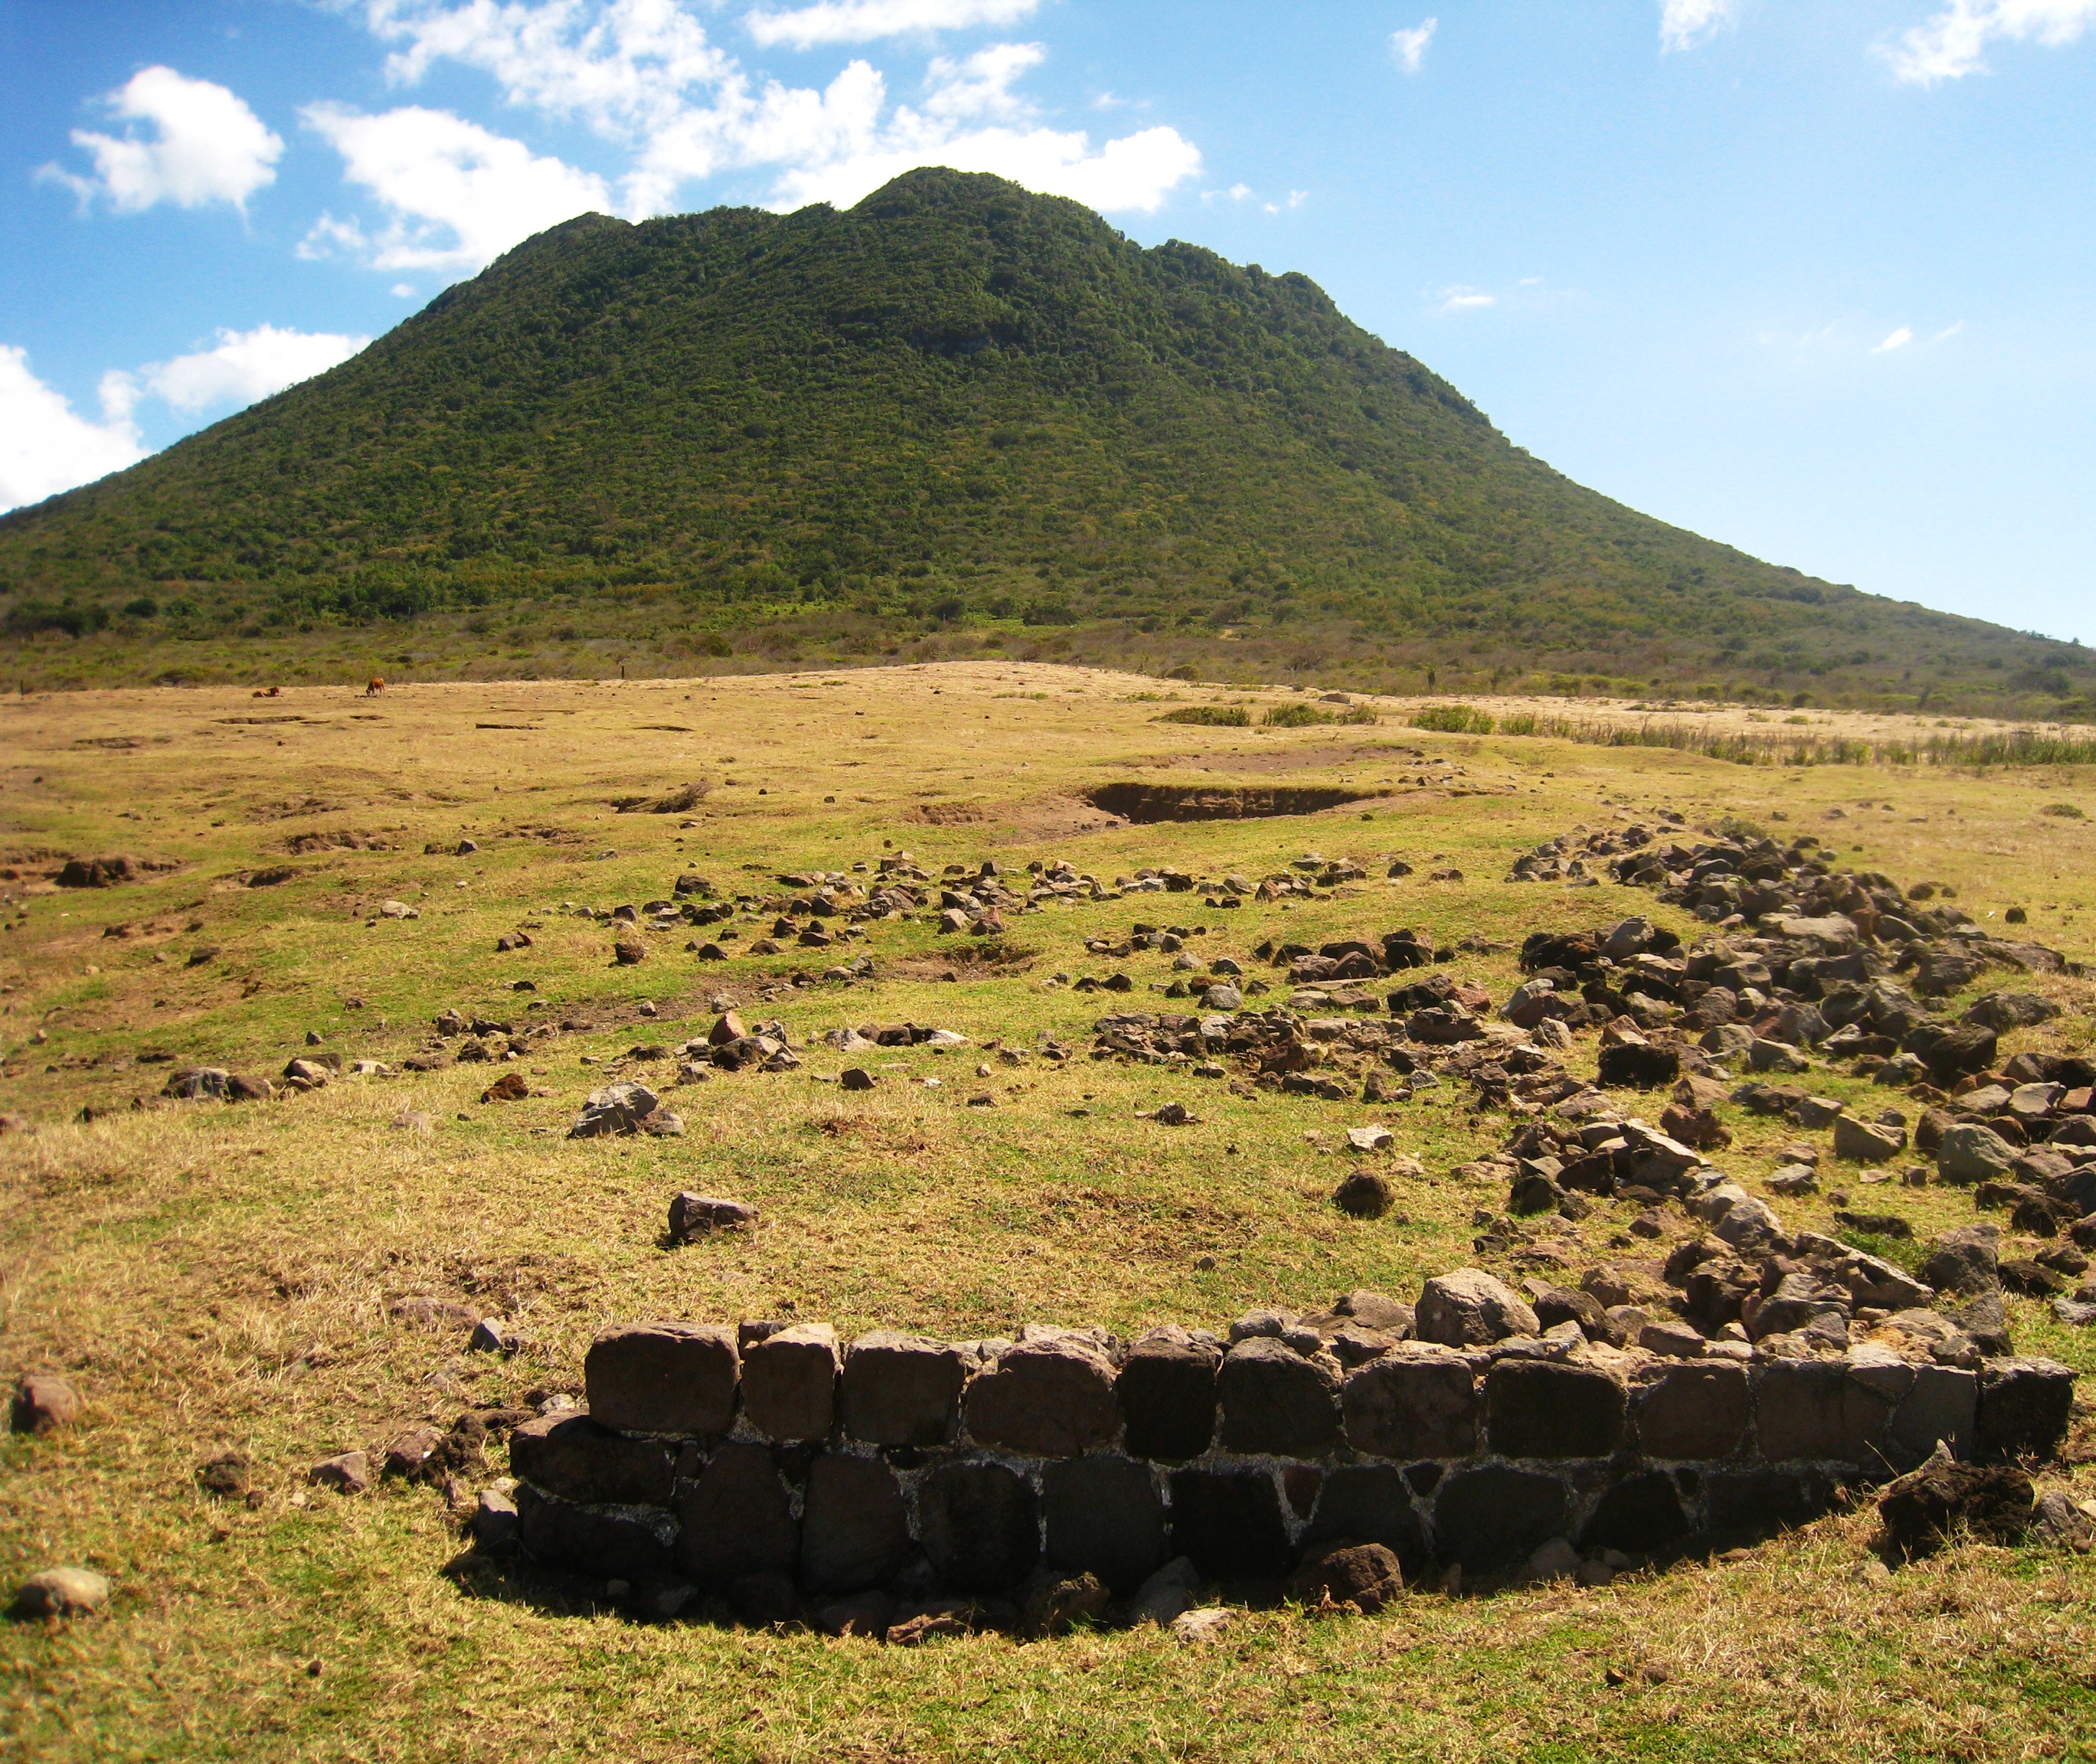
<point x="1219" y="802"/>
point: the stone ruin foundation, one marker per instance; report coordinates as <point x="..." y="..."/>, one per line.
<point x="769" y="1464"/>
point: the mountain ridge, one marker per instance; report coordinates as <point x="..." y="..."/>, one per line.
<point x="955" y="409"/>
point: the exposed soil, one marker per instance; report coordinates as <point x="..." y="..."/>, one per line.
<point x="1146" y="803"/>
<point x="1022" y="823"/>
<point x="951" y="814"/>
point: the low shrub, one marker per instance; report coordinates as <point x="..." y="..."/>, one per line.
<point x="1455" y="719"/>
<point x="1209" y="716"/>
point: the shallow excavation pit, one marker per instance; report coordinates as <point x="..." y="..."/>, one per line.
<point x="1149" y="803"/>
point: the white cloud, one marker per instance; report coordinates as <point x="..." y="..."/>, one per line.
<point x="459" y="196"/>
<point x="1136" y="172"/>
<point x="327" y="236"/>
<point x="1948" y="332"/>
<point x="1296" y="198"/>
<point x="641" y="72"/>
<point x="245" y="366"/>
<point x="1953" y="43"/>
<point x="207" y="146"/>
<point x="981" y="85"/>
<point x="45" y="446"/>
<point x="1899" y="339"/>
<point x="862" y="21"/>
<point x="627" y="68"/>
<point x="1408" y="49"/>
<point x="1683" y="23"/>
<point x="1460" y="299"/>
<point x="402" y="290"/>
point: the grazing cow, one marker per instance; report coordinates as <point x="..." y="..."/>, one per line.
<point x="373" y="687"/>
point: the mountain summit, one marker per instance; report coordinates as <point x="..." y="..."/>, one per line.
<point x="956" y="404"/>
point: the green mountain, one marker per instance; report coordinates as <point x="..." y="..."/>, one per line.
<point x="957" y="417"/>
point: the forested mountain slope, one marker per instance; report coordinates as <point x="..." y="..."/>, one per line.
<point x="956" y="412"/>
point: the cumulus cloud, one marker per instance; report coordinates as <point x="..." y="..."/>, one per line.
<point x="863" y="21"/>
<point x="46" y="445"/>
<point x="1683" y="23"/>
<point x="626" y="67"/>
<point x="246" y="365"/>
<point x="1899" y="339"/>
<point x="981" y="85"/>
<point x="202" y="145"/>
<point x="641" y="72"/>
<point x="1408" y="49"/>
<point x="458" y="196"/>
<point x="1953" y="42"/>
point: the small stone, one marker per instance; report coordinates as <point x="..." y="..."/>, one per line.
<point x="1365" y="1576"/>
<point x="1676" y="1341"/>
<point x="58" y="1592"/>
<point x="1469" y="1308"/>
<point x="226" y="1474"/>
<point x="856" y="1078"/>
<point x="1554" y="1560"/>
<point x="43" y="1403"/>
<point x="1205" y="1625"/>
<point x="490" y="1336"/>
<point x="348" y="1472"/>
<point x="1167" y="1594"/>
<point x="1363" y="1195"/>
<point x="1922" y="1508"/>
<point x="1370" y="1138"/>
<point x="693" y="1217"/>
<point x="1054" y="1605"/>
<point x="412" y="1454"/>
<point x="495" y="1522"/>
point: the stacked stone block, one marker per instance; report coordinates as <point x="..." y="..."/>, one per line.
<point x="712" y="1454"/>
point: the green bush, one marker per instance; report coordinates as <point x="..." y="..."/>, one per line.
<point x="2066" y="811"/>
<point x="1453" y="719"/>
<point x="1360" y="713"/>
<point x="1296" y="717"/>
<point x="1209" y="716"/>
<point x="1521" y="722"/>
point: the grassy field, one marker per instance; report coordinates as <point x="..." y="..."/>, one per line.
<point x="219" y="1278"/>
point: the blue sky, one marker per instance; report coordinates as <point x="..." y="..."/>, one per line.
<point x="1815" y="277"/>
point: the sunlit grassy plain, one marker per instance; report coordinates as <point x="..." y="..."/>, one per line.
<point x="217" y="1277"/>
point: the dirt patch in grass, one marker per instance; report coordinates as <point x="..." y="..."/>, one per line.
<point x="1144" y="804"/>
<point x="965" y="961"/>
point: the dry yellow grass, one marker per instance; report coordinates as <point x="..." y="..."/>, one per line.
<point x="219" y="1277"/>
